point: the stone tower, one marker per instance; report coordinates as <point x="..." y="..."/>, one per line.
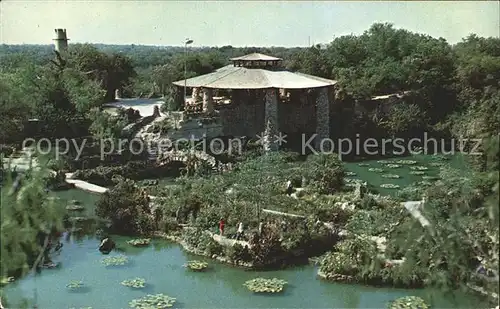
<point x="61" y="40"/>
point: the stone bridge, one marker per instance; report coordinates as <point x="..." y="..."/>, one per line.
<point x="184" y="156"/>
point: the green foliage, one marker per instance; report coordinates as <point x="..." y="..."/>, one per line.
<point x="118" y="260"/>
<point x="262" y="285"/>
<point x="196" y="265"/>
<point x="137" y="283"/>
<point x="325" y="172"/>
<point x="127" y="208"/>
<point x="112" y="71"/>
<point x="199" y="240"/>
<point x="463" y="231"/>
<point x="159" y="301"/>
<point x="266" y="248"/>
<point x="28" y="216"/>
<point x="237" y="253"/>
<point x="105" y="125"/>
<point x="140" y="242"/>
<point x="75" y="285"/>
<point x="408" y="302"/>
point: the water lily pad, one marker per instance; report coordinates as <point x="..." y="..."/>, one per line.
<point x="376" y="170"/>
<point x="389" y="186"/>
<point x="384" y="161"/>
<point x="75" y="285"/>
<point x="75" y="207"/>
<point x="418" y="168"/>
<point x="79" y="219"/>
<point x="364" y="164"/>
<point x="157" y="301"/>
<point x="262" y="285"/>
<point x="391" y="176"/>
<point x="196" y="265"/>
<point x="140" y="242"/>
<point x="409" y="302"/>
<point x="137" y="283"/>
<point x="350" y="173"/>
<point x="436" y="164"/>
<point x="424" y="183"/>
<point x="406" y="162"/>
<point x="115" y="260"/>
<point x="393" y="165"/>
<point x="438" y="157"/>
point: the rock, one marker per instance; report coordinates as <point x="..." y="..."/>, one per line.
<point x="156" y="111"/>
<point x="107" y="245"/>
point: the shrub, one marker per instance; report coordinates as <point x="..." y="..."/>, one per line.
<point x="267" y="247"/>
<point x="127" y="208"/>
<point x="325" y="172"/>
<point x="238" y="253"/>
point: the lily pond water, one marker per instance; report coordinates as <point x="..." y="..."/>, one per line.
<point x="162" y="266"/>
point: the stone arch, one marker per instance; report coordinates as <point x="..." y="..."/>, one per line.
<point x="185" y="156"/>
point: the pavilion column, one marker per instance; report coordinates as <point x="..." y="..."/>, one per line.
<point x="322" y="116"/>
<point x="196" y="96"/>
<point x="271" y="120"/>
<point x="208" y="100"/>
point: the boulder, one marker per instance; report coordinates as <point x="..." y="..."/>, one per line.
<point x="107" y="245"/>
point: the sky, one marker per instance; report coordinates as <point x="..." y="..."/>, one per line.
<point x="236" y="23"/>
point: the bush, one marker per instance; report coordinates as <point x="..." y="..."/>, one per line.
<point x="325" y="172"/>
<point x="202" y="241"/>
<point x="265" y="249"/>
<point x="127" y="208"/>
<point x="238" y="253"/>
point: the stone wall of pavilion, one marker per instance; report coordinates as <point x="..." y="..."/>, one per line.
<point x="243" y="117"/>
<point x="299" y="114"/>
<point x="246" y="115"/>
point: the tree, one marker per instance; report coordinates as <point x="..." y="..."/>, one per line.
<point x="29" y="216"/>
<point x="110" y="71"/>
<point x="127" y="207"/>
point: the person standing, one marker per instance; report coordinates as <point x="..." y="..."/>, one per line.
<point x="261" y="226"/>
<point x="239" y="233"/>
<point x="289" y="188"/>
<point x="221" y="226"/>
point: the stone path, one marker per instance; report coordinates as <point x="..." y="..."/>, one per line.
<point x="227" y="241"/>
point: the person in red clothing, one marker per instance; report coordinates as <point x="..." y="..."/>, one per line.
<point x="221" y="226"/>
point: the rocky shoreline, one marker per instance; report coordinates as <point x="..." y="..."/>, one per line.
<point x="335" y="277"/>
<point x="186" y="247"/>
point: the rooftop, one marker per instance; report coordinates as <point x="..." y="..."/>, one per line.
<point x="256" y="57"/>
<point x="241" y="77"/>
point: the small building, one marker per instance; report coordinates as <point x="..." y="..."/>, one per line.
<point x="254" y="95"/>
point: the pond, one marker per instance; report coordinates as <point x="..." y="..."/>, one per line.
<point x="161" y="264"/>
<point x="364" y="170"/>
<point x="221" y="286"/>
